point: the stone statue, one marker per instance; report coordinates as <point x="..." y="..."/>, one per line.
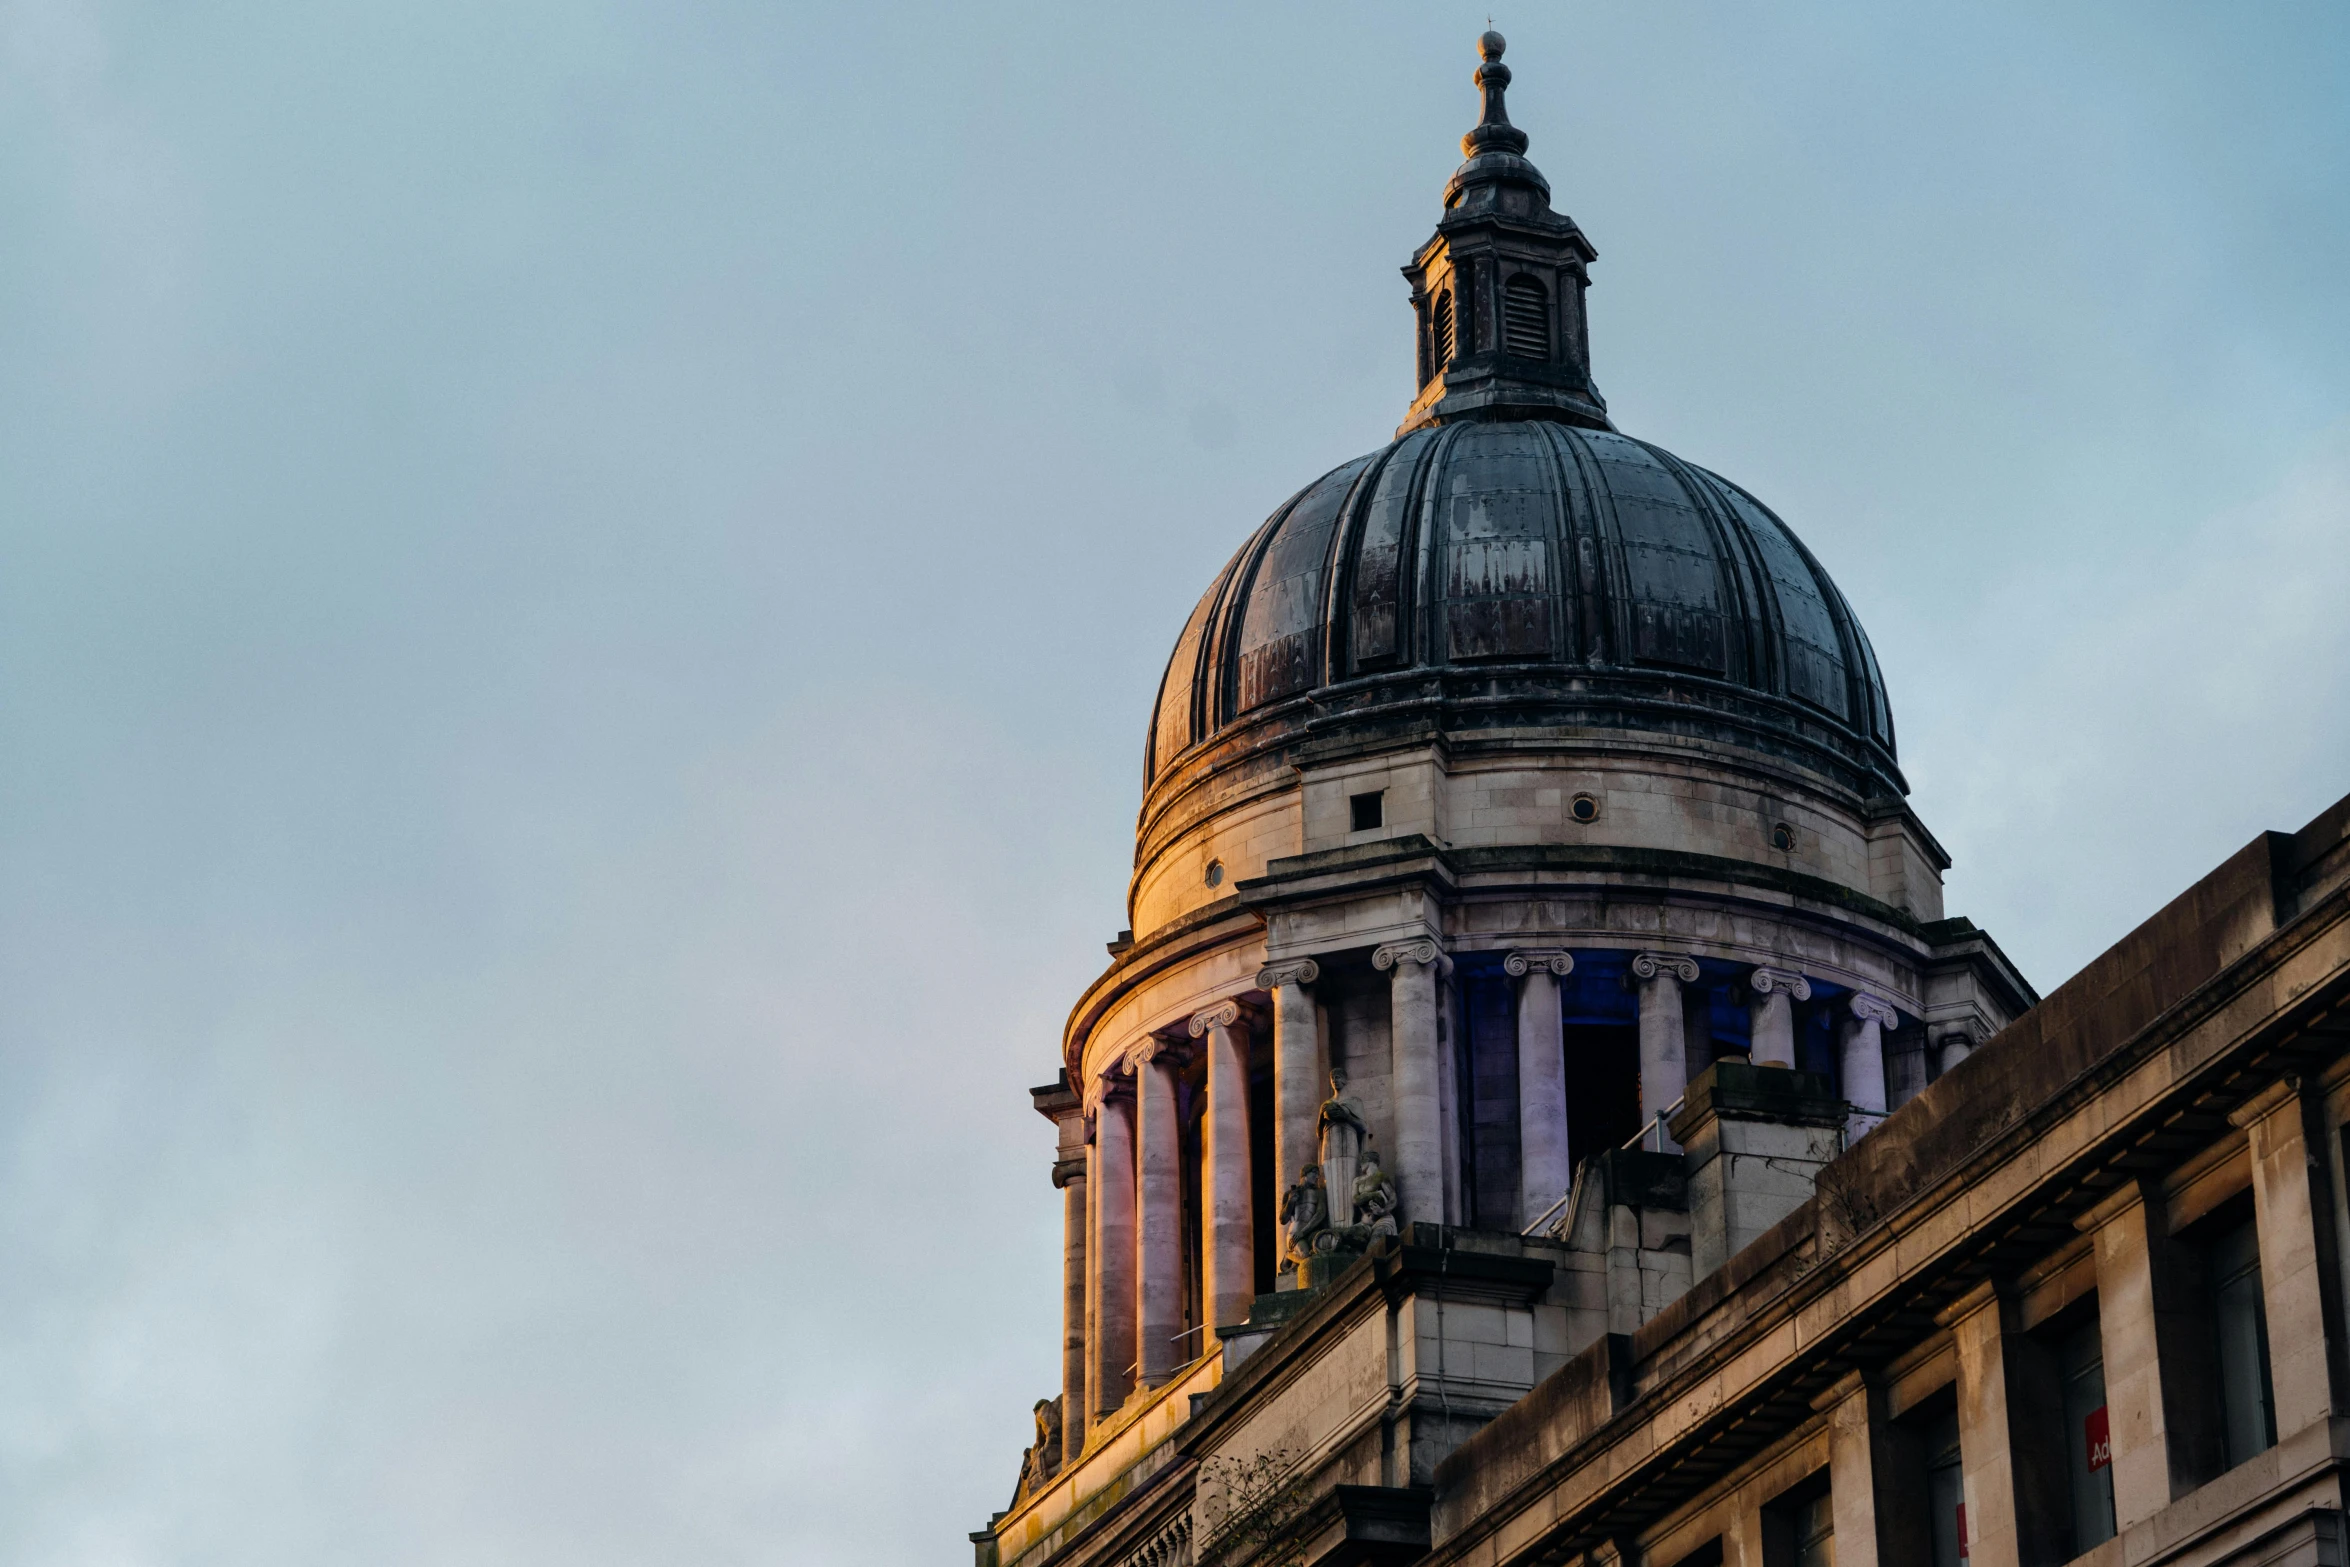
<point x="1305" y="1214"/>
<point x="1343" y="1134"/>
<point x="1376" y="1197"/>
<point x="1042" y="1461"/>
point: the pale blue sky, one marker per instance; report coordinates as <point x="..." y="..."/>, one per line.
<point x="580" y="585"/>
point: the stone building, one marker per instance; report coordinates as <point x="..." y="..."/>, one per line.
<point x="1542" y="1112"/>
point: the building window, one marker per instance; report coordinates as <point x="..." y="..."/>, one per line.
<point x="1799" y="1529"/>
<point x="1584" y="808"/>
<point x="1442" y="330"/>
<point x="1525" y="317"/>
<point x="1946" y="1492"/>
<point x="1363" y="811"/>
<point x="1215" y="876"/>
<point x="2088" y="1445"/>
<point x="2247" y="1407"/>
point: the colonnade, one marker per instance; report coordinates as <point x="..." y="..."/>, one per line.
<point x="1125" y="1251"/>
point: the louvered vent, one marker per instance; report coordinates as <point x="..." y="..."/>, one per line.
<point x="1443" y="330"/>
<point x="1525" y="318"/>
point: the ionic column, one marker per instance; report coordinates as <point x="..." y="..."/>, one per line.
<point x="1109" y="1186"/>
<point x="1863" y="1065"/>
<point x="1158" y="1219"/>
<point x="1951" y="1049"/>
<point x="1066" y="1111"/>
<point x="1229" y="1257"/>
<point x="1298" y="1069"/>
<point x="1664" y="1029"/>
<point x="1417" y="1059"/>
<point x="1545" y="1162"/>
<point x="1073" y="1284"/>
<point x="1773" y="1012"/>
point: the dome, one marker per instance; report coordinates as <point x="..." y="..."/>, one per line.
<point x="1511" y="560"/>
<point x="1490" y="573"/>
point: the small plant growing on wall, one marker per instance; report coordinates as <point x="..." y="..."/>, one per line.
<point x="1253" y="1511"/>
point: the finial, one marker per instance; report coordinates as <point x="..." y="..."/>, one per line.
<point x="1494" y="130"/>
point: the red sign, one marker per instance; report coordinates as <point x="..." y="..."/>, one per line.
<point x="2100" y="1440"/>
<point x="1962" y="1531"/>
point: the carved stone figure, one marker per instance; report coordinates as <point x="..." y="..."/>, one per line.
<point x="1377" y="1197"/>
<point x="1042" y="1460"/>
<point x="1305" y="1215"/>
<point x="1343" y="1134"/>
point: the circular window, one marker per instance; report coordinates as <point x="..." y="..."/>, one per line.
<point x="1783" y="838"/>
<point x="1584" y="808"/>
<point x="1215" y="873"/>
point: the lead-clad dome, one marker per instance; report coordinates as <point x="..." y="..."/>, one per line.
<point x="1504" y="571"/>
<point x="1511" y="559"/>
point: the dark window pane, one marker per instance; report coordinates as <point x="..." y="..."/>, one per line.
<point x="1815" y="1533"/>
<point x="2088" y="1446"/>
<point x="1946" y="1492"/>
<point x="2237" y="1312"/>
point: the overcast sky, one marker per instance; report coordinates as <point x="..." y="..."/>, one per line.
<point x="580" y="585"/>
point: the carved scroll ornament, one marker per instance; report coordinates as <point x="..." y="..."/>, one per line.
<point x="1222" y="1015"/>
<point x="1525" y="960"/>
<point x="1774" y="981"/>
<point x="1650" y="965"/>
<point x="1871" y="1010"/>
<point x="1420" y="951"/>
<point x="1150" y="1048"/>
<point x="1304" y="971"/>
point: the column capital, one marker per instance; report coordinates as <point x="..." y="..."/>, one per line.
<point x="1153" y="1048"/>
<point x="1112" y="1084"/>
<point x="1650" y="965"/>
<point x="1423" y="950"/>
<point x="1301" y="971"/>
<point x="1774" y="981"/>
<point x="1222" y="1015"/>
<point x="1869" y="1009"/>
<point x="1524" y="960"/>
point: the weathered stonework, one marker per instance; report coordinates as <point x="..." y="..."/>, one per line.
<point x="1749" y="1209"/>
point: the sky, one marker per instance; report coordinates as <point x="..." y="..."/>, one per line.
<point x="580" y="586"/>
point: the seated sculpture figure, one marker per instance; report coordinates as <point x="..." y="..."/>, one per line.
<point x="1377" y="1197"/>
<point x="1305" y="1215"/>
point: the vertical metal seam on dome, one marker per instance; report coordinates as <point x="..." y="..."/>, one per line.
<point x="1766" y="623"/>
<point x="1610" y="635"/>
<point x="1335" y="624"/>
<point x="1569" y="591"/>
<point x="1230" y="618"/>
<point x="1206" y="610"/>
<point x="1864" y="681"/>
<point x="1423" y="520"/>
<point x="1860" y="713"/>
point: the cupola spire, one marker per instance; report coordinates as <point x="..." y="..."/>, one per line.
<point x="1497" y="293"/>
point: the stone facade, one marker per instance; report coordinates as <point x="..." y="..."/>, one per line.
<point x="1747" y="1208"/>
